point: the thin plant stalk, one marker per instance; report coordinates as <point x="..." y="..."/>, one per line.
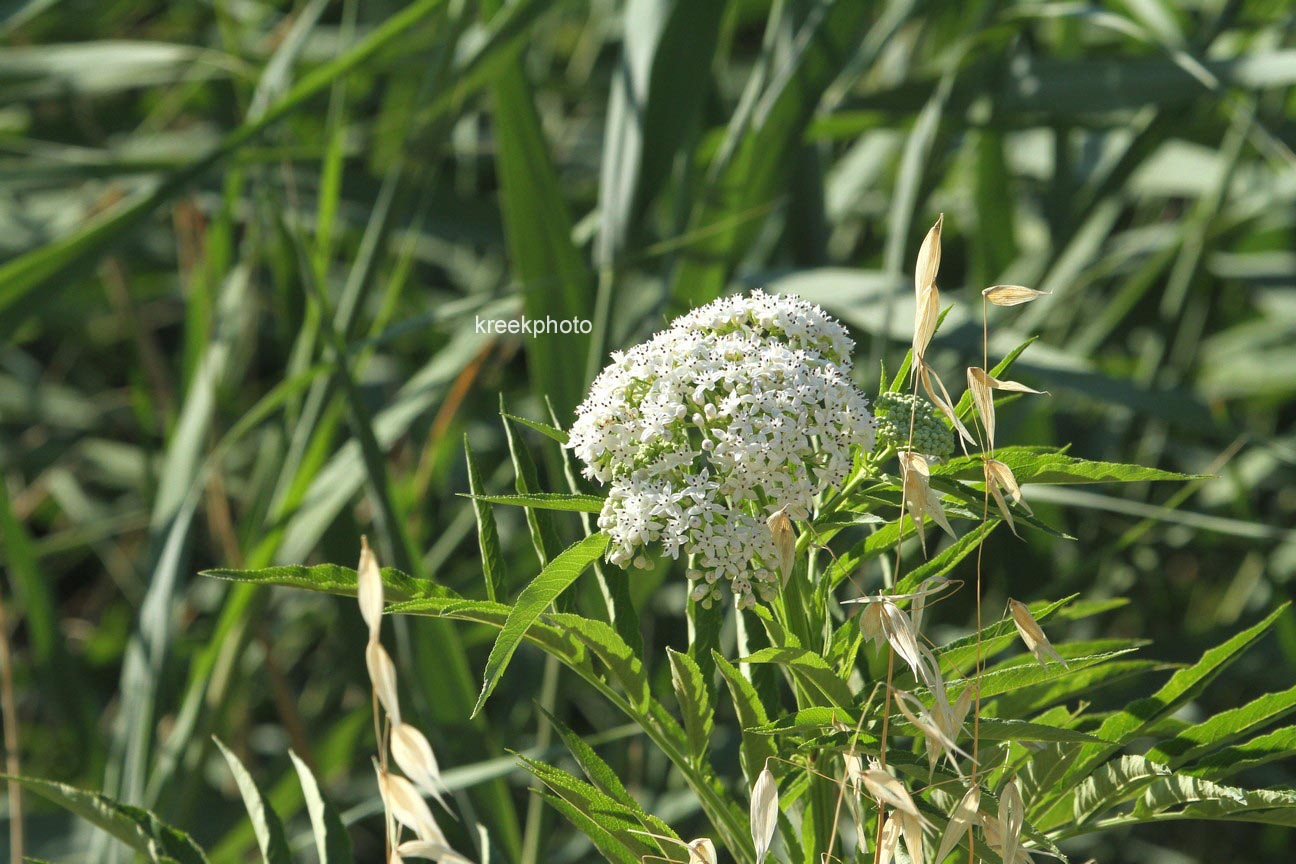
<point x="13" y="759"/>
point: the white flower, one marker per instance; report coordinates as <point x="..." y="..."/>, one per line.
<point x="739" y="409"/>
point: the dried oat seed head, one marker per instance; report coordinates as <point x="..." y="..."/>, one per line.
<point x="1012" y="813"/>
<point x="764" y="813"/>
<point x="413" y="753"/>
<point x="929" y="255"/>
<point x="1033" y="635"/>
<point x="1011" y="295"/>
<point x="889" y="791"/>
<point x="369" y="589"/>
<point x="382" y="673"/>
<point x="960" y="821"/>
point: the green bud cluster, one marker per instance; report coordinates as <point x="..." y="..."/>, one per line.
<point x="895" y="413"/>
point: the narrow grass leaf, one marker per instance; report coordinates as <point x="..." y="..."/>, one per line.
<point x="332" y="844"/>
<point x="269" y="830"/>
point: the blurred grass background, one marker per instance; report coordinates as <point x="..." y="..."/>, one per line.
<point x="245" y="246"/>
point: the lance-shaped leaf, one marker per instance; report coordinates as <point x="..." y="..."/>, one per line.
<point x="332" y="844"/>
<point x="1033" y="635"/>
<point x="553" y="580"/>
<point x="269" y="830"/>
<point x="694" y="699"/>
<point x="1011" y="295"/>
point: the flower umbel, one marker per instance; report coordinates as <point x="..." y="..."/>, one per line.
<point x="740" y="409"/>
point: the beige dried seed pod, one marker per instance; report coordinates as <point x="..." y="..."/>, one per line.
<point x="926" y="374"/>
<point x="407" y="806"/>
<point x="437" y="852"/>
<point x="926" y="317"/>
<point x="929" y="255"/>
<point x="382" y="673"/>
<point x="1033" y="635"/>
<point x="999" y="476"/>
<point x="960" y="821"/>
<point x="911" y="829"/>
<point x="890" y="839"/>
<point x="702" y="851"/>
<point x="413" y="753"/>
<point x="921" y="502"/>
<point x="764" y="813"/>
<point x="784" y="534"/>
<point x="979" y="387"/>
<point x="889" y="791"/>
<point x="1011" y="295"/>
<point x="369" y="589"/>
<point x="1012" y="814"/>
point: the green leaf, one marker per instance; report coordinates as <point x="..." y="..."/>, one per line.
<point x="1033" y="467"/>
<point x="615" y="818"/>
<point x="1278" y="744"/>
<point x="1113" y="783"/>
<point x="492" y="556"/>
<point x="947" y="559"/>
<point x="1222" y="728"/>
<point x="606" y="644"/>
<point x="598" y="771"/>
<point x="335" y="579"/>
<point x="1128" y="723"/>
<point x="138" y="829"/>
<point x="607" y="844"/>
<point x="1028" y="673"/>
<point x="551" y="432"/>
<point x="749" y="174"/>
<point x="22" y="276"/>
<point x="570" y="502"/>
<point x="544" y="536"/>
<point x="694" y="697"/>
<point x="332" y="844"/>
<point x="995" y="729"/>
<point x="547" y="267"/>
<point x="269" y="830"/>
<point x="755" y="750"/>
<point x="555" y="578"/>
<point x="1195" y="798"/>
<point x="811" y="670"/>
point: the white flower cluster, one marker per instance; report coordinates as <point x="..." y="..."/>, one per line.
<point x="739" y="409"/>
